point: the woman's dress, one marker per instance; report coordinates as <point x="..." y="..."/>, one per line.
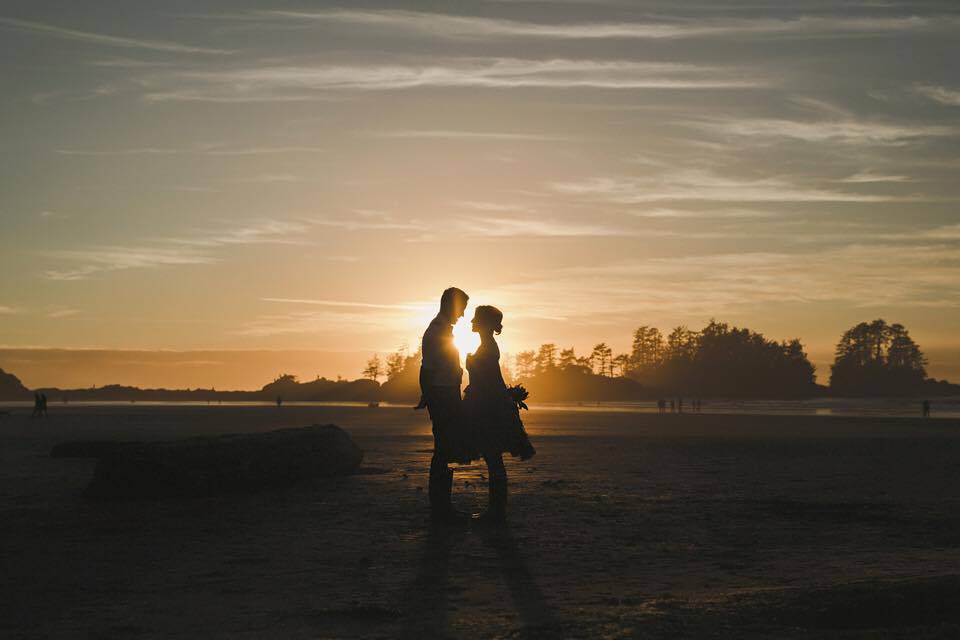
<point x="492" y="416"/>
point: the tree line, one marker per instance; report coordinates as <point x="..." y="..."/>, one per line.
<point x="718" y="360"/>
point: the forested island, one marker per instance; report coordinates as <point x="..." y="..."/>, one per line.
<point x="872" y="359"/>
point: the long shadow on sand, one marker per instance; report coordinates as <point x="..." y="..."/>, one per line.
<point x="427" y="607"/>
<point x="426" y="599"/>
<point x="527" y="598"/>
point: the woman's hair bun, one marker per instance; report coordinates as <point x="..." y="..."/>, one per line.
<point x="490" y="317"/>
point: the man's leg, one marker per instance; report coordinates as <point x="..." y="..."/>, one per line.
<point x="497" y="488"/>
<point x="441" y="485"/>
<point x="444" y="408"/>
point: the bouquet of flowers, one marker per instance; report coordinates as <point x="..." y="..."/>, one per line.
<point x="518" y="394"/>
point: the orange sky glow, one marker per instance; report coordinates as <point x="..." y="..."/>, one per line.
<point x="215" y="196"/>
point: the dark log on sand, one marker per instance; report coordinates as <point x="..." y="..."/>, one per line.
<point x="223" y="464"/>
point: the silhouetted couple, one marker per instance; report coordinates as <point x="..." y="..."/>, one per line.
<point x="485" y="422"/>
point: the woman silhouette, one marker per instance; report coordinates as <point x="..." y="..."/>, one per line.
<point x="492" y="413"/>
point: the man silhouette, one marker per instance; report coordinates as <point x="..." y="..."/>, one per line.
<point x="440" y="378"/>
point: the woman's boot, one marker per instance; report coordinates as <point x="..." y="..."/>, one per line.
<point x="496" y="512"/>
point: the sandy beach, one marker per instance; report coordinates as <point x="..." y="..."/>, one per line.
<point x="624" y="525"/>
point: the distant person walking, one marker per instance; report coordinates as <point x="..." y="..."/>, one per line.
<point x="926" y="408"/>
<point x="679" y="405"/>
<point x="279" y="401"/>
<point x="37" y="409"/>
<point x="43" y="404"/>
<point x="661" y="406"/>
<point x="673" y="406"/>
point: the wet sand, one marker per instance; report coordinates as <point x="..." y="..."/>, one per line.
<point x="624" y="525"/>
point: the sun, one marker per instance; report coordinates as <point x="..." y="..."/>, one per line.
<point x="466" y="340"/>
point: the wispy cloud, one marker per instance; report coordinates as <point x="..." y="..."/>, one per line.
<point x="500" y="227"/>
<point x="333" y="322"/>
<point x="701" y="185"/>
<point x="942" y="95"/>
<point x="195" y="249"/>
<point x="840" y="131"/>
<point x="106" y="40"/>
<point x="206" y="150"/>
<point x="273" y="178"/>
<point x="332" y="317"/>
<point x="369" y="224"/>
<point x="7" y="310"/>
<point x="495" y="207"/>
<point x="115" y="258"/>
<point x="738" y="212"/>
<point x="303" y="82"/>
<point x="260" y="232"/>
<point x="449" y="26"/>
<point x="869" y="176"/>
<point x="128" y="63"/>
<point x="252" y="151"/>
<point x="63" y="313"/>
<point x="344" y="303"/>
<point x="467" y="135"/>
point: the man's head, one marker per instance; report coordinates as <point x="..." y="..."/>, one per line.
<point x="452" y="304"/>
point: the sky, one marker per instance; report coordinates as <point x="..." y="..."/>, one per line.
<point x="209" y="193"/>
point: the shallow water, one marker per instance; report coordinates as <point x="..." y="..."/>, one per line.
<point x="945" y="407"/>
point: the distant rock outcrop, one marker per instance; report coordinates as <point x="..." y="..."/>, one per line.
<point x="218" y="464"/>
<point x="11" y="388"/>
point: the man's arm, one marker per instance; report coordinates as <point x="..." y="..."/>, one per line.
<point x="425" y="380"/>
<point x="427" y="351"/>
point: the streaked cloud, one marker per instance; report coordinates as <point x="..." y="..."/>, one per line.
<point x="345" y="303"/>
<point x="106" y="40"/>
<point x="369" y="224"/>
<point x="448" y="26"/>
<point x="943" y="95"/>
<point x="468" y="135"/>
<point x="868" y="176"/>
<point x="321" y="322"/>
<point x="194" y="249"/>
<point x="267" y="83"/>
<point x="703" y="185"/>
<point x="207" y="150"/>
<point x="62" y="313"/>
<point x="840" y="131"/>
<point x="7" y="310"/>
<point x="495" y="207"/>
<point x="500" y="227"/>
<point x="128" y="63"/>
<point x="738" y="212"/>
<point x="261" y="232"/>
<point x="118" y="258"/>
<point x="253" y="151"/>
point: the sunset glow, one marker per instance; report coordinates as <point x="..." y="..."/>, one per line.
<point x="233" y="180"/>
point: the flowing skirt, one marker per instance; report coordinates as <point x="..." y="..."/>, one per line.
<point x="494" y="425"/>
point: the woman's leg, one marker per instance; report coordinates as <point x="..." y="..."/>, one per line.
<point x="497" y="486"/>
